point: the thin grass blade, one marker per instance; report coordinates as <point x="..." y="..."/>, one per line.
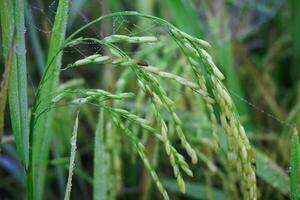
<point x="72" y="159"/>
<point x="294" y="182"/>
<point x="99" y="181"/>
<point x="295" y="31"/>
<point x="12" y="18"/>
<point x="41" y="124"/>
<point x="186" y="17"/>
<point x="270" y="172"/>
<point x="4" y="87"/>
<point x="194" y="190"/>
<point x="114" y="5"/>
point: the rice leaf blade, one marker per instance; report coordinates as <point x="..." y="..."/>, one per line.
<point x="294" y="181"/>
<point x="114" y="5"/>
<point x="4" y="88"/>
<point x="194" y="190"/>
<point x="295" y="32"/>
<point x="72" y="159"/>
<point x="99" y="181"/>
<point x="12" y="18"/>
<point x="41" y="125"/>
<point x="270" y="172"/>
<point x="185" y="17"/>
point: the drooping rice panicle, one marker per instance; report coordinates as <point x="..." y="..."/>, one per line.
<point x="141" y="151"/>
<point x="238" y="143"/>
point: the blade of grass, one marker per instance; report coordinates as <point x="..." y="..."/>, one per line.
<point x="186" y="17"/>
<point x="270" y="172"/>
<point x="12" y="21"/>
<point x="72" y="159"/>
<point x="295" y="31"/>
<point x="59" y="171"/>
<point x="41" y="126"/>
<point x="4" y="87"/>
<point x="294" y="182"/>
<point x="99" y="180"/>
<point x="194" y="190"/>
<point x="145" y="7"/>
<point x="62" y="127"/>
<point x="114" y="5"/>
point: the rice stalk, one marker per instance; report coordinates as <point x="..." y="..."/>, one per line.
<point x="270" y="172"/>
<point x="72" y="159"/>
<point x="4" y="88"/>
<point x="294" y="184"/>
<point x="12" y="18"/>
<point x="99" y="180"/>
<point x="295" y="21"/>
<point x="114" y="5"/>
<point x="41" y="121"/>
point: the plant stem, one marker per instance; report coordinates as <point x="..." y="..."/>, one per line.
<point x="99" y="182"/>
<point x="41" y="124"/>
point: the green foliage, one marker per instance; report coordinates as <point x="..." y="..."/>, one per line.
<point x="185" y="17"/>
<point x="295" y="155"/>
<point x="41" y="119"/>
<point x="99" y="180"/>
<point x="295" y="21"/>
<point x="195" y="51"/>
<point x="195" y="190"/>
<point x="4" y="87"/>
<point x="72" y="159"/>
<point x="271" y="172"/>
<point x="12" y="18"/>
<point x="164" y="108"/>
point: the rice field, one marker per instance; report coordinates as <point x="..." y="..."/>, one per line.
<point x="175" y="99"/>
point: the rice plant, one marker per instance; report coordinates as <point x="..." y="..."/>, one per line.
<point x="147" y="109"/>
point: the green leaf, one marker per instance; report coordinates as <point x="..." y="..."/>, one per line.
<point x="42" y="116"/>
<point x="194" y="190"/>
<point x="12" y="22"/>
<point x="295" y="32"/>
<point x="114" y="5"/>
<point x="294" y="183"/>
<point x="99" y="161"/>
<point x="4" y="87"/>
<point x="270" y="172"/>
<point x="72" y="159"/>
<point x="185" y="16"/>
